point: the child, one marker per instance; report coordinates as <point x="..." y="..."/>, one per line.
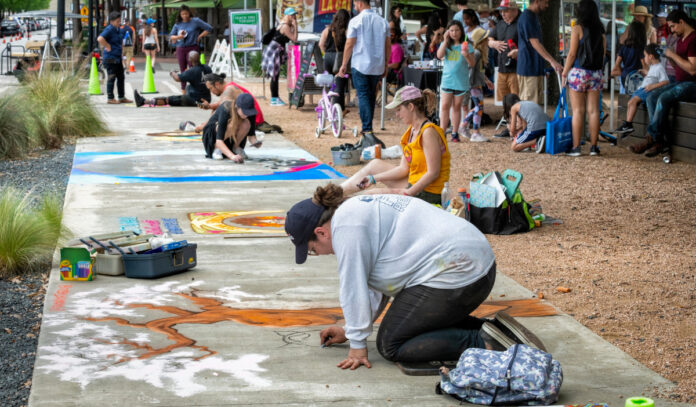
<point x="526" y="121"/>
<point x="630" y="54"/>
<point x="655" y="78"/>
<point x="455" y="76"/>
<point x="479" y="40"/>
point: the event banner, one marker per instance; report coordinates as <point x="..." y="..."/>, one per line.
<point x="245" y="30"/>
<point x="312" y="15"/>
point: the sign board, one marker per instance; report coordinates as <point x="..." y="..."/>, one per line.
<point x="312" y="15"/>
<point x="310" y="50"/>
<point x="85" y="12"/>
<point x="245" y="30"/>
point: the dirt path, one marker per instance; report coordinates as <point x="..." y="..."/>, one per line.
<point x="627" y="247"/>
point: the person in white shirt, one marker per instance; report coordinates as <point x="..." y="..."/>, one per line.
<point x="368" y="47"/>
<point x="437" y="267"/>
<point x="655" y="78"/>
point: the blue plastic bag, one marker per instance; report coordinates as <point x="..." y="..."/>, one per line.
<point x="559" y="130"/>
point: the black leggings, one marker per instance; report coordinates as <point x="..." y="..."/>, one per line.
<point x="274" y="86"/>
<point x="429" y="324"/>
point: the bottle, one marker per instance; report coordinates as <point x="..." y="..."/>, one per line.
<point x="445" y="196"/>
<point x="378" y="151"/>
<point x="462" y="194"/>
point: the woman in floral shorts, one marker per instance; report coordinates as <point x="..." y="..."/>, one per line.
<point x="583" y="73"/>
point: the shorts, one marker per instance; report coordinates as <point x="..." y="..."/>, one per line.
<point x="531" y="88"/>
<point x="584" y="80"/>
<point x="642" y="94"/>
<point x="128" y="53"/>
<point x="528" y="135"/>
<point x="456" y="92"/>
<point x="150" y="47"/>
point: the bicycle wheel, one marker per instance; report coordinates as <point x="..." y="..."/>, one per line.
<point x="321" y="117"/>
<point x="337" y="121"/>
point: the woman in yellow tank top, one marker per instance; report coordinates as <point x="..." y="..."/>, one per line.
<point x="425" y="165"/>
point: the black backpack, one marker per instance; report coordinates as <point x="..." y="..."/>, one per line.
<point x="590" y="53"/>
<point x="268" y="37"/>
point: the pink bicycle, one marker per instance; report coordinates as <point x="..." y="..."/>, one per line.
<point x="329" y="114"/>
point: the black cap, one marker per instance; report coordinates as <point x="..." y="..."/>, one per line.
<point x="246" y="102"/>
<point x="300" y="222"/>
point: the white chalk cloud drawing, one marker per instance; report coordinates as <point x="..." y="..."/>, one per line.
<point x="93" y="338"/>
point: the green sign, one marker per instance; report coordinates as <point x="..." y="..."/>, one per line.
<point x="245" y="30"/>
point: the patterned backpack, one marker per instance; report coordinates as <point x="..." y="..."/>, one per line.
<point x="521" y="375"/>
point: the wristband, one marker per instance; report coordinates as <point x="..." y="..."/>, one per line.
<point x="371" y="179"/>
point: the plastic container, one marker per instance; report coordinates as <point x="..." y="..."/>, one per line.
<point x="345" y="157"/>
<point x="158" y="265"/>
<point x="445" y="196"/>
<point x="109" y="264"/>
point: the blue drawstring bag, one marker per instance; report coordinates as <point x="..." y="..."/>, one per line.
<point x="559" y="130"/>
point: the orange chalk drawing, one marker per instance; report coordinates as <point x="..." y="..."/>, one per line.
<point x="258" y="223"/>
<point x="60" y="296"/>
<point x="213" y="311"/>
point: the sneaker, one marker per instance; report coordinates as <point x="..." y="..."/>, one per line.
<point x="575" y="152"/>
<point x="464" y="132"/>
<point x="217" y="154"/>
<point x="503" y="134"/>
<point x="641" y="147"/>
<point x="113" y="102"/>
<point x="624" y="129"/>
<point x="594" y="150"/>
<point x="153" y="70"/>
<point x="655" y="149"/>
<point x="541" y="142"/>
<point x="494" y="337"/>
<point x="516" y="331"/>
<point x="455" y="138"/>
<point x="125" y="100"/>
<point x="277" y="102"/>
<point x="139" y="99"/>
<point x="186" y="125"/>
<point x="478" y="138"/>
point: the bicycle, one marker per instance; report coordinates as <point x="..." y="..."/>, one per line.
<point x="327" y="110"/>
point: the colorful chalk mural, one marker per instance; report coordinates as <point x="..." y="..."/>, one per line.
<point x="260" y="223"/>
<point x="190" y="165"/>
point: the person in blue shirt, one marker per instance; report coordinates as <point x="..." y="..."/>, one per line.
<point x="111" y="40"/>
<point x="454" y="86"/>
<point x="531" y="53"/>
<point x="186" y="34"/>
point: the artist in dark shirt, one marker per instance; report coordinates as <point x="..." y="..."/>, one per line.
<point x="227" y="129"/>
<point x="196" y="91"/>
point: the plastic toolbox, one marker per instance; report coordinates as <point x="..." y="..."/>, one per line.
<point x="162" y="264"/>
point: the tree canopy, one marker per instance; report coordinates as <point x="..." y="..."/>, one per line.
<point x="15" y="6"/>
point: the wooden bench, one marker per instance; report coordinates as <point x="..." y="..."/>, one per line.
<point x="682" y="125"/>
<point x="30" y="50"/>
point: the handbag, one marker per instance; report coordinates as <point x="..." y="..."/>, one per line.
<point x="559" y="130"/>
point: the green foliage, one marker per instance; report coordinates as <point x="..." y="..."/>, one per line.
<point x="61" y="108"/>
<point x="28" y="234"/>
<point x="16" y="135"/>
<point x="24" y="5"/>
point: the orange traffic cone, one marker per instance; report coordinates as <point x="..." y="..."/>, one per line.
<point x="3" y="39"/>
<point x="131" y="67"/>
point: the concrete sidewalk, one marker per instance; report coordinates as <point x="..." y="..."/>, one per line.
<point x="242" y="327"/>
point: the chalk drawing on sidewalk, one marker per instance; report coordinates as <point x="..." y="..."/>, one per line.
<point x="190" y="165"/>
<point x="258" y="223"/>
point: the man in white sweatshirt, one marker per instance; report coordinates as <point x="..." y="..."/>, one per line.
<point x="437" y="267"/>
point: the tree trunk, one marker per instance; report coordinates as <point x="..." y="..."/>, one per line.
<point x="263" y="6"/>
<point x="549" y="37"/>
<point x="77" y="25"/>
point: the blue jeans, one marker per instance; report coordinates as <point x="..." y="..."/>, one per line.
<point x="366" y="88"/>
<point x="659" y="103"/>
<point x="425" y="324"/>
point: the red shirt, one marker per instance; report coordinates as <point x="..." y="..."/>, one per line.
<point x="259" y="115"/>
<point x="685" y="48"/>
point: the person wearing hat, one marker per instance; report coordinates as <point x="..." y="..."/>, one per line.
<point x="274" y="55"/>
<point x="641" y="15"/>
<point x="186" y="34"/>
<point x="438" y="268"/>
<point x="425" y="164"/>
<point x="504" y="40"/>
<point x="484" y="14"/>
<point x="532" y="54"/>
<point x="196" y="91"/>
<point x="226" y="132"/>
<point x="150" y="41"/>
<point x="111" y="39"/>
